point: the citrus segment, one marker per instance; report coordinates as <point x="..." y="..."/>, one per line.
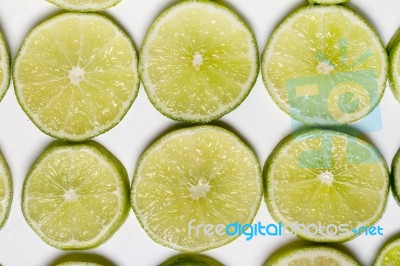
<point x="191" y="260"/>
<point x="195" y="177"/>
<point x="4" y="67"/>
<point x="325" y="185"/>
<point x="325" y="65"/>
<point x="76" y="75"/>
<point x="199" y="61"/>
<point x="75" y="196"/>
<point x="389" y="254"/>
<point x="6" y="191"/>
<point x="85" y="5"/>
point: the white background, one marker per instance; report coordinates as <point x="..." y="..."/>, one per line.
<point x="258" y="120"/>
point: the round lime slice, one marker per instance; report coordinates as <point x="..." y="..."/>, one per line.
<point x="309" y="255"/>
<point x="6" y="191"/>
<point x="78" y="263"/>
<point x="394" y="59"/>
<point x="76" y="196"/>
<point x="191" y="184"/>
<point x="328" y="2"/>
<point x="75" y="75"/>
<point x="389" y="254"/>
<point x="325" y="65"/>
<point x="323" y="184"/>
<point x="4" y="67"/>
<point x="191" y="260"/>
<point x="85" y="5"/>
<point x="198" y="61"/>
<point x="395" y="177"/>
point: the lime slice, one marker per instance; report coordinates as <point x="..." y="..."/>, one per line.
<point x="394" y="69"/>
<point x="85" y="5"/>
<point x="389" y="254"/>
<point x="78" y="263"/>
<point x="325" y="65"/>
<point x="4" y="66"/>
<point x="192" y="183"/>
<point x="323" y="184"/>
<point x="198" y="61"/>
<point x="5" y="191"/>
<point x="328" y="2"/>
<point x="76" y="76"/>
<point x="76" y="196"/>
<point x="395" y="177"/>
<point x="191" y="260"/>
<point x="311" y="255"/>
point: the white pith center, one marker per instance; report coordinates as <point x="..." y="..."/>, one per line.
<point x="199" y="190"/>
<point x="70" y="195"/>
<point x="324" y="68"/>
<point x="197" y="60"/>
<point x="76" y="75"/>
<point x="326" y="178"/>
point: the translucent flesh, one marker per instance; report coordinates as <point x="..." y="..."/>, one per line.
<point x="391" y="255"/>
<point x="162" y="191"/>
<point x="104" y="93"/>
<point x="225" y="44"/>
<point x="340" y="41"/>
<point x="3" y="67"/>
<point x="80" y="219"/>
<point x="4" y="192"/>
<point x="356" y="196"/>
<point x="88" y="2"/>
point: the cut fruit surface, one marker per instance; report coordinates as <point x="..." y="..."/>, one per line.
<point x="325" y="65"/>
<point x="85" y="5"/>
<point x="389" y="254"/>
<point x="311" y="255"/>
<point x="76" y="75"/>
<point x="395" y="176"/>
<point x="76" y="196"/>
<point x="324" y="185"/>
<point x="198" y="61"/>
<point x="393" y="49"/>
<point x="78" y="263"/>
<point x="6" y="191"/>
<point x="328" y="2"/>
<point x="196" y="177"/>
<point x="191" y="260"/>
<point x="4" y="66"/>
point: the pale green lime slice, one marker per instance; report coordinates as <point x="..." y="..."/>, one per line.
<point x="85" y="5"/>
<point x="328" y="2"/>
<point x="198" y="61"/>
<point x="394" y="59"/>
<point x="395" y="177"/>
<point x="4" y="67"/>
<point x="322" y="184"/>
<point x="389" y="255"/>
<point x="6" y="191"/>
<point x="76" y="196"/>
<point x="311" y="255"/>
<point x="192" y="179"/>
<point x="325" y="65"/>
<point x="78" y="263"/>
<point x="191" y="260"/>
<point x="75" y="75"/>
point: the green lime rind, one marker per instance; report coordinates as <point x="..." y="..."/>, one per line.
<point x="5" y="66"/>
<point x="284" y="256"/>
<point x="394" y="62"/>
<point x="328" y="2"/>
<point x="389" y="253"/>
<point x="97" y="131"/>
<point x="304" y="134"/>
<point x="395" y="177"/>
<point x="154" y="146"/>
<point x="85" y="7"/>
<point x="191" y="260"/>
<point x="123" y="185"/>
<point x="307" y="120"/>
<point x="227" y="109"/>
<point x="6" y="176"/>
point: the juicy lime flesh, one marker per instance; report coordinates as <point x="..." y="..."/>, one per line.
<point x="76" y="75"/>
<point x="88" y="2"/>
<point x="85" y="5"/>
<point x="314" y="256"/>
<point x="72" y="197"/>
<point x="327" y="178"/>
<point x="392" y="256"/>
<point x="5" y="191"/>
<point x="324" y="65"/>
<point x="202" y="175"/>
<point x="4" y="65"/>
<point x="211" y="53"/>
